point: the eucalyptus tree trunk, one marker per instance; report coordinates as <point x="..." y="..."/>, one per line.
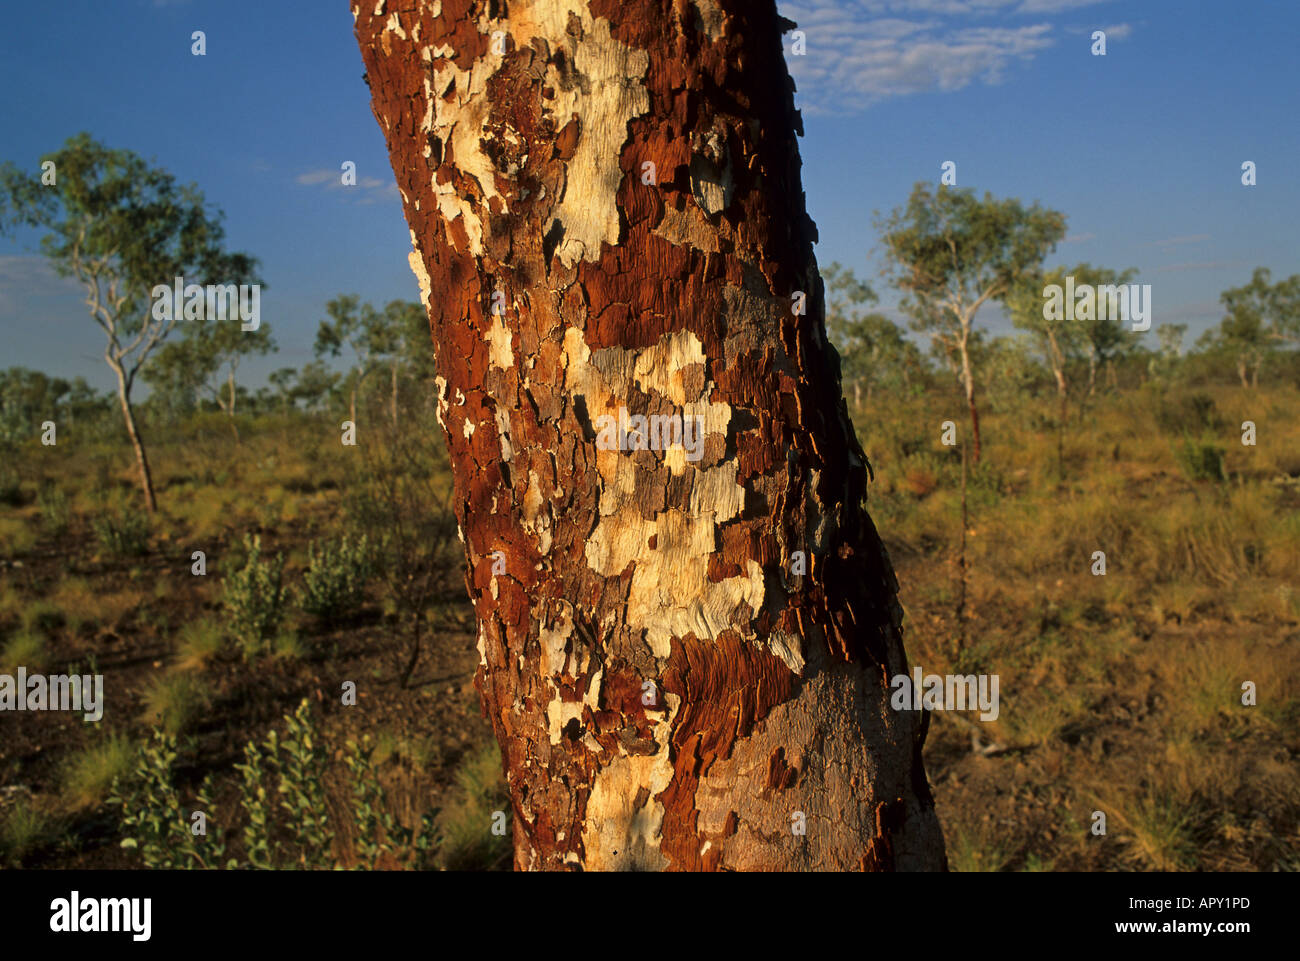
<point x="133" y="432"/>
<point x="685" y="648"/>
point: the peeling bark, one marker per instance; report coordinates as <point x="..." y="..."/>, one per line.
<point x="667" y="693"/>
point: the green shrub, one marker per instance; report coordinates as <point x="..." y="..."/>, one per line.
<point x="1200" y="461"/>
<point x="254" y="598"/>
<point x="25" y="828"/>
<point x="296" y="764"/>
<point x="157" y="822"/>
<point x="280" y="819"/>
<point x="336" y="576"/>
<point x="121" y="532"/>
<point x="11" y="485"/>
<point x="1188" y="414"/>
<point x="25" y="649"/>
<point x="55" y="513"/>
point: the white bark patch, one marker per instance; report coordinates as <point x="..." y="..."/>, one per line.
<point x="416" y="260"/>
<point x="457" y="108"/>
<point x="502" y="416"/>
<point x="553" y="640"/>
<point x="537" y="518"/>
<point x="604" y="90"/>
<point x="500" y="351"/>
<point x="441" y="383"/>
<point x="670" y="592"/>
<point x="617" y="835"/>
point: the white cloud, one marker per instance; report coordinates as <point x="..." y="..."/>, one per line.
<point x="1179" y="241"/>
<point x="26" y="275"/>
<point x="313" y="177"/>
<point x="861" y="52"/>
<point x="367" y="190"/>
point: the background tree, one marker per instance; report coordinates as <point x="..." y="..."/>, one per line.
<point x="874" y="351"/>
<point x="1058" y="340"/>
<point x="648" y="638"/>
<point x="207" y="358"/>
<point x="120" y="227"/>
<point x="1105" y="339"/>
<point x="1260" y="317"/>
<point x="951" y="252"/>
<point x="1166" y="359"/>
<point x="359" y="328"/>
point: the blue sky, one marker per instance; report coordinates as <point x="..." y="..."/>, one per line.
<point x="1141" y="149"/>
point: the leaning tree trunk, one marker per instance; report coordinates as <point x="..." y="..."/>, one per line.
<point x="606" y="211"/>
<point x="137" y="445"/>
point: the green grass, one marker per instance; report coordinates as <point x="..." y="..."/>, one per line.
<point x="88" y="773"/>
<point x="465" y="826"/>
<point x="199" y="642"/>
<point x="25" y="828"/>
<point x="25" y="649"/>
<point x="174" y="701"/>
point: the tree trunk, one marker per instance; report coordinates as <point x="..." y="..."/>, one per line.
<point x="968" y="385"/>
<point x="393" y="398"/>
<point x="141" y="459"/>
<point x="668" y="692"/>
<point x="230" y="383"/>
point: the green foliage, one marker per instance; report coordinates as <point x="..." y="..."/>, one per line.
<point x="11" y="486"/>
<point x="379" y="834"/>
<point x="254" y="598"/>
<point x="174" y="702"/>
<point x="25" y="829"/>
<point x="1260" y="317"/>
<point x="1188" y="414"/>
<point x="1200" y="461"/>
<point x="25" y="649"/>
<point x="154" y="817"/>
<point x="121" y="531"/>
<point x="336" y="576"/>
<point x="55" y="513"/>
<point x="281" y="801"/>
<point x="948" y="250"/>
<point x="89" y="774"/>
<point x="283" y="787"/>
<point x="465" y="840"/>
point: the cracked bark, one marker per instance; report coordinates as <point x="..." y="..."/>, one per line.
<point x="667" y="692"/>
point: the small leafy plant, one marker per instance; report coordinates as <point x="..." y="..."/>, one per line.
<point x="336" y="576"/>
<point x="254" y="598"/>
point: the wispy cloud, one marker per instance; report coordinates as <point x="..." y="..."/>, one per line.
<point x="1179" y="241"/>
<point x="368" y="190"/>
<point x="25" y="275"/>
<point x="861" y="52"/>
<point x="1078" y="238"/>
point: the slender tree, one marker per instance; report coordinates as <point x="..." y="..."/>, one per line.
<point x="121" y="228"/>
<point x="1261" y="316"/>
<point x="686" y="635"/>
<point x="952" y="252"/>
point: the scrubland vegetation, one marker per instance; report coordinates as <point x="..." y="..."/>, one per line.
<point x="1120" y="692"/>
